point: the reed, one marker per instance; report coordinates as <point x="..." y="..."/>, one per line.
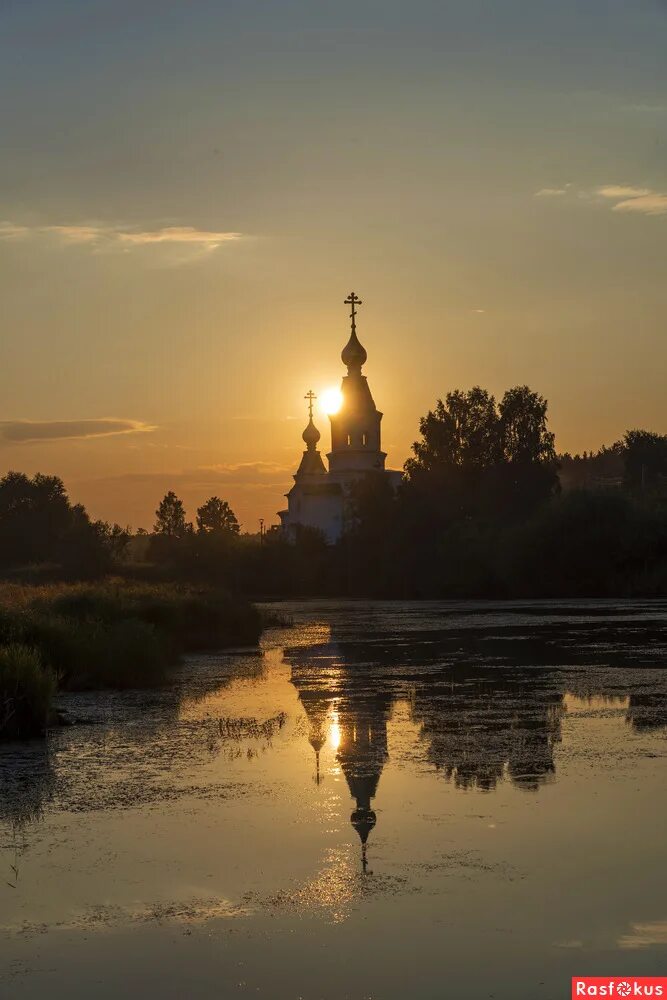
<point x="27" y="689"/>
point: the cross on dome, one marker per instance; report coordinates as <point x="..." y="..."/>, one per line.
<point x="353" y="354"/>
<point x="353" y="300"/>
<point x="311" y="397"/>
<point x="311" y="435"/>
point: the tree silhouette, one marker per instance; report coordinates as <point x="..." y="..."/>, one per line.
<point x="524" y="435"/>
<point x="39" y="525"/>
<point x="645" y="458"/>
<point x="170" y="517"/>
<point x="216" y="517"/>
<point x="461" y="432"/>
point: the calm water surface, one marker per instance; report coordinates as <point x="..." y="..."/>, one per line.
<point x="389" y="801"/>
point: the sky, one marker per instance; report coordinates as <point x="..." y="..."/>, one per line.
<point x="189" y="190"/>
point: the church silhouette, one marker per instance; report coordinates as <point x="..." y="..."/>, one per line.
<point x="318" y="497"/>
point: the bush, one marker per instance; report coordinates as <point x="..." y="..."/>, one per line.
<point x="119" y="634"/>
<point x="27" y="689"/>
<point x="189" y="617"/>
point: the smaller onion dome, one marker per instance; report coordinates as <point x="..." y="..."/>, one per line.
<point x="311" y="435"/>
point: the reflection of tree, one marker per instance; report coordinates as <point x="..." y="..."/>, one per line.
<point x="317" y="710"/>
<point x="483" y="724"/>
<point x="647" y="710"/>
<point x="641" y="691"/>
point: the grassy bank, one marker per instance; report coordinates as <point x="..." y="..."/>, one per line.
<point x="117" y="634"/>
<point x="27" y="688"/>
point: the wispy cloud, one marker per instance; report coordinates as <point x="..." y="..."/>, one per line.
<point x="103" y="236"/>
<point x="29" y="431"/>
<point x="645" y="109"/>
<point x="552" y="192"/>
<point x="622" y="191"/>
<point x="249" y="472"/>
<point x="257" y="475"/>
<point x="634" y="199"/>
<point x="619" y="197"/>
<point x="646" y="935"/>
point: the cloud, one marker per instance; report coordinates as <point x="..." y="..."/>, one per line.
<point x="625" y="197"/>
<point x="645" y="109"/>
<point x="29" y="431"/>
<point x="621" y="191"/>
<point x="644" y="936"/>
<point x="634" y="199"/>
<point x="100" y="236"/>
<point x="254" y="475"/>
<point x="249" y="472"/>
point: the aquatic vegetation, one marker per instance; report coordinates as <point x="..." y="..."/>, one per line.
<point x="120" y="633"/>
<point x="273" y="618"/>
<point x="27" y="688"/>
<point x="238" y="729"/>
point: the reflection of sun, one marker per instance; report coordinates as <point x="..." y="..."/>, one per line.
<point x="334" y="731"/>
<point x="331" y="400"/>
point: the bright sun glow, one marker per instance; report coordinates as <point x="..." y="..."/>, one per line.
<point x="334" y="731"/>
<point x="331" y="400"/>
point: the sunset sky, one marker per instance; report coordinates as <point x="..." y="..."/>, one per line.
<point x="188" y="191"/>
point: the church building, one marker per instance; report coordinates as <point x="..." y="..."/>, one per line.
<point x="318" y="498"/>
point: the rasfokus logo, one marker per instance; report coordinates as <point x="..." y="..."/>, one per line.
<point x="619" y="986"/>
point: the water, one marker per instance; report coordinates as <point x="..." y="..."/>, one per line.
<point x="389" y="801"/>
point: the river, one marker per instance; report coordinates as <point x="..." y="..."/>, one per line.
<point x="388" y="800"/>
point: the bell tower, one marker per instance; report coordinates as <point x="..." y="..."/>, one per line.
<point x="355" y="428"/>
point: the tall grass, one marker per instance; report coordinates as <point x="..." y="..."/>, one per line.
<point x="120" y="633"/>
<point x="27" y="688"/>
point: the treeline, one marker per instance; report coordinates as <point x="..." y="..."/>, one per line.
<point x="40" y="527"/>
<point x="487" y="508"/>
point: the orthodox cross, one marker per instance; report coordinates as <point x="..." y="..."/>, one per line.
<point x="353" y="300"/>
<point x="311" y="397"/>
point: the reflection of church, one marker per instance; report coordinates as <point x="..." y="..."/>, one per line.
<point x="317" y="499"/>
<point x="352" y="716"/>
<point x="479" y="725"/>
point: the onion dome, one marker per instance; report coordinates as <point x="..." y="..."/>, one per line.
<point x="363" y="820"/>
<point x="353" y="354"/>
<point x="311" y="435"/>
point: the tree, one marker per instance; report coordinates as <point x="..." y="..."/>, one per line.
<point x="216" y="517"/>
<point x="461" y="432"/>
<point x="446" y="478"/>
<point x="371" y="536"/>
<point x="524" y="435"/>
<point x="645" y="459"/>
<point x="115" y="539"/>
<point x="38" y="524"/>
<point x="527" y="474"/>
<point x="170" y="517"/>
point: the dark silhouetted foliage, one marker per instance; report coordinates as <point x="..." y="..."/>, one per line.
<point x="485" y="508"/>
<point x="38" y="524"/>
<point x="27" y="688"/>
<point x="645" y="459"/>
<point x="216" y="517"/>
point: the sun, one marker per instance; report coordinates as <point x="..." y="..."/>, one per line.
<point x="331" y="401"/>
